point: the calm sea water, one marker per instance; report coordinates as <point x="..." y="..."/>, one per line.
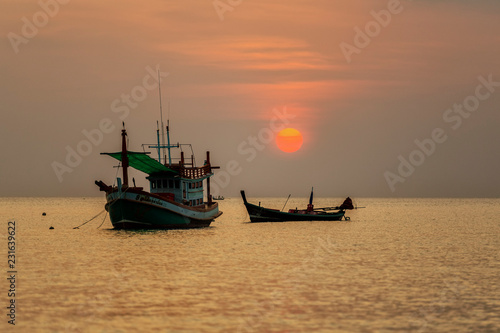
<point x="399" y="265"/>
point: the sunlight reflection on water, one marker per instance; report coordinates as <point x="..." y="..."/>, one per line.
<point x="421" y="265"/>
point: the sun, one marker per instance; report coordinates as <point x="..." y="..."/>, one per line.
<point x="289" y="140"/>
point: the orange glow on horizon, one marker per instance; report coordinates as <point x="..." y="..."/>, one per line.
<point x="289" y="140"/>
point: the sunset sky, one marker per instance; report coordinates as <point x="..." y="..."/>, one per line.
<point x="375" y="87"/>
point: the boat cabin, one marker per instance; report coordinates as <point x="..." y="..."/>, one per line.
<point x="183" y="190"/>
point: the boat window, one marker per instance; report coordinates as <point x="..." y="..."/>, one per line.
<point x="153" y="184"/>
<point x="171" y="183"/>
<point x="177" y="183"/>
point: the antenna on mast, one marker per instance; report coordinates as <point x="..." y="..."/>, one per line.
<point x="168" y="134"/>
<point x="161" y="114"/>
<point x="161" y="144"/>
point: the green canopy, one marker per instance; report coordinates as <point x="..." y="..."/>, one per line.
<point x="142" y="162"/>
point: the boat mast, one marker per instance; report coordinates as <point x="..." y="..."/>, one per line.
<point x="209" y="195"/>
<point x="161" y="115"/>
<point x="163" y="127"/>
<point x="124" y="156"/>
<point x="310" y="206"/>
<point x="168" y="136"/>
<point x="158" y="139"/>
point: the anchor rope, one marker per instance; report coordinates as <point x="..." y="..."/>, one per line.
<point x="106" y="215"/>
<point x="118" y="169"/>
<point x="102" y="211"/>
<point x="104" y="219"/>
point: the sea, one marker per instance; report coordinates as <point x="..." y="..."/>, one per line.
<point x="398" y="265"/>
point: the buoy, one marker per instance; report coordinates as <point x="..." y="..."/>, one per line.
<point x="43" y="214"/>
<point x="51" y="228"/>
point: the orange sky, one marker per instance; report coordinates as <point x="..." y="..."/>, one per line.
<point x="227" y="76"/>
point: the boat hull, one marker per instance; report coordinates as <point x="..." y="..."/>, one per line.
<point x="142" y="211"/>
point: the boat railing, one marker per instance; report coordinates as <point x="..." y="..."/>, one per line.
<point x="196" y="172"/>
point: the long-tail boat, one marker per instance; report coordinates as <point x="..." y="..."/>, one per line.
<point x="261" y="214"/>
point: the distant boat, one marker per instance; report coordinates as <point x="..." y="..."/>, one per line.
<point x="218" y="198"/>
<point x="175" y="199"/>
<point x="261" y="214"/>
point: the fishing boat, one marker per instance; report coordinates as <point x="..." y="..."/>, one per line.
<point x="175" y="199"/>
<point x="262" y="214"/>
<point x="176" y="196"/>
